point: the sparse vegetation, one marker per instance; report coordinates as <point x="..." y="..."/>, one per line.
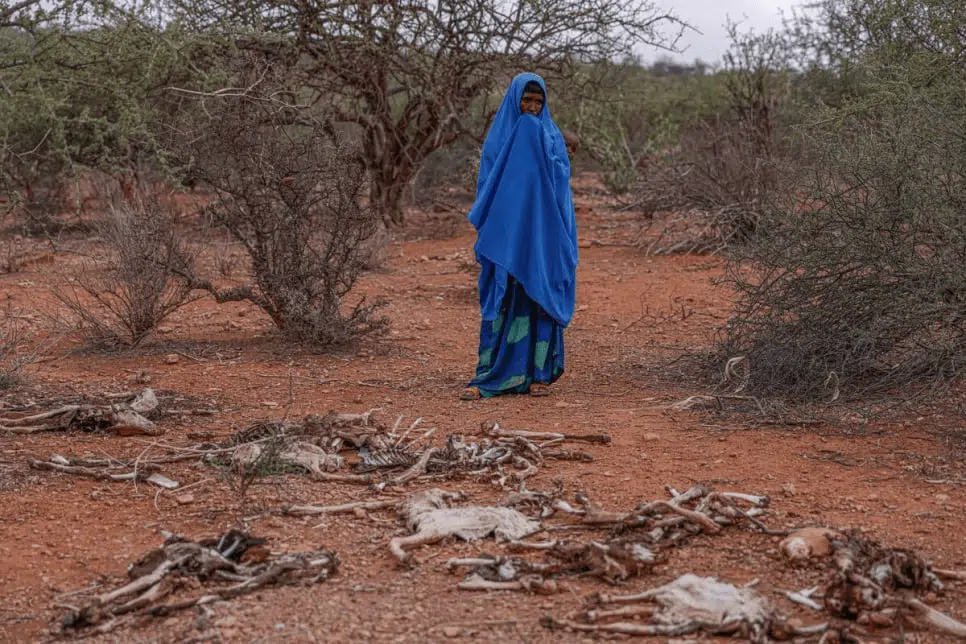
<point x="122" y="297"/>
<point x="15" y="351"/>
<point x="821" y="158"/>
<point x="855" y="280"/>
<point x="288" y="188"/>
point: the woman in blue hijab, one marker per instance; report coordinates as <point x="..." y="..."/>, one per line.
<point x="526" y="246"/>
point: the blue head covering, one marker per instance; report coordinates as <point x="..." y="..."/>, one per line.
<point x="524" y="213"/>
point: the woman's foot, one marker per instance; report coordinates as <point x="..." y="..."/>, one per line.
<point x="470" y="393"/>
<point x="539" y="389"/>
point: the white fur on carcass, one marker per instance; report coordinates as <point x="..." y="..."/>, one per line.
<point x="430" y="519"/>
<point x="690" y="598"/>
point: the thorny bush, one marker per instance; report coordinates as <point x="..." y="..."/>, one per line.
<point x="14" y="354"/>
<point x="289" y="190"/>
<point x="122" y="298"/>
<point x="856" y="283"/>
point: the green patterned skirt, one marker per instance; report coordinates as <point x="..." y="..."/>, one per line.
<point x="522" y="346"/>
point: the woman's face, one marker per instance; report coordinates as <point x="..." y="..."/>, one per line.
<point x="531" y="103"/>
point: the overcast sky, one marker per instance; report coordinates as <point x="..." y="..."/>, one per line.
<point x="710" y="17"/>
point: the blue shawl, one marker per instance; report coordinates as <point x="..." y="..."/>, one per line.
<point x="524" y="213"/>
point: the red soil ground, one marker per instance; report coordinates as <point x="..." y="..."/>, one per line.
<point x="900" y="479"/>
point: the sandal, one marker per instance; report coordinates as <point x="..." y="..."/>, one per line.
<point x="539" y="389"/>
<point x="470" y="393"/>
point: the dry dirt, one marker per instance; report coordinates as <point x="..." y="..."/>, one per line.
<point x="899" y="479"/>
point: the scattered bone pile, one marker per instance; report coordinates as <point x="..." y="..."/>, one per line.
<point x="877" y="587"/>
<point x="126" y="414"/>
<point x="105" y="469"/>
<point x="632" y="547"/>
<point x="355" y="448"/>
<point x="232" y="565"/>
<point x="688" y="605"/>
<point x="870" y="588"/>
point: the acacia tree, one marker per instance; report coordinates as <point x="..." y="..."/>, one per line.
<point x="409" y="74"/>
<point x="83" y="84"/>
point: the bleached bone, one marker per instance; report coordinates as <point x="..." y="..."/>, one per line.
<point x="532" y="584"/>
<point x="145" y="402"/>
<point x="923" y="614"/>
<point x="418" y="468"/>
<point x="471" y="562"/>
<point x="696" y="492"/>
<point x="313" y="458"/>
<point x="697" y="517"/>
<point x="494" y="430"/>
<point x="951" y="575"/>
<point x="91" y="473"/>
<point x="754" y="499"/>
<point x="623" y="611"/>
<point x="803" y="598"/>
<point x="311" y="510"/>
<point x="127" y="419"/>
<point x="430" y="520"/>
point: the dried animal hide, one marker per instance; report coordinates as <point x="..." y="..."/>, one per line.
<point x="429" y="518"/>
<point x="690" y="604"/>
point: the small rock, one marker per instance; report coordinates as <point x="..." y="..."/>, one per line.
<point x="185" y="499"/>
<point x="808" y="542"/>
<point x="172" y="358"/>
<point x="142" y="377"/>
<point x="451" y="631"/>
<point x="650" y="437"/>
<point x="942" y="498"/>
<point x="94" y="495"/>
<point x="789" y="489"/>
<point x="271" y="404"/>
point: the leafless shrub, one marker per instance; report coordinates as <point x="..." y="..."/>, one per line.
<point x="15" y="354"/>
<point x="121" y="299"/>
<point x="854" y="286"/>
<point x="725" y="169"/>
<point x="289" y="190"/>
<point x="857" y="285"/>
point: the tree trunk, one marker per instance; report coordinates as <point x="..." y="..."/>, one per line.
<point x="386" y="196"/>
